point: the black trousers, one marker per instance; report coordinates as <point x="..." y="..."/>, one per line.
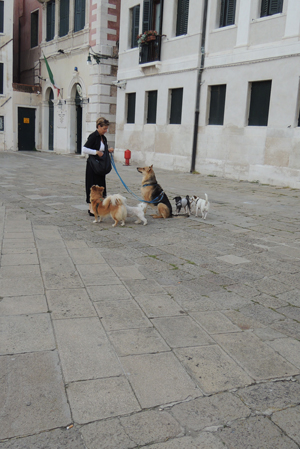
<point x="91" y="179"/>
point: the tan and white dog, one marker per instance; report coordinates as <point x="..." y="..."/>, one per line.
<point x="113" y="205"/>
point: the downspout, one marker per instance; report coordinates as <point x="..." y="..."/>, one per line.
<point x="199" y="82"/>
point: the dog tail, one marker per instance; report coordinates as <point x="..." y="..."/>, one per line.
<point x="206" y="199"/>
<point x="115" y="200"/>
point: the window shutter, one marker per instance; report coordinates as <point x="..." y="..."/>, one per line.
<point x="275" y="7"/>
<point x="152" y="106"/>
<point x="64" y="17"/>
<point x="1" y="16"/>
<point x="222" y="13"/>
<point x="217" y="104"/>
<point x="34" y="28"/>
<point x="230" y="12"/>
<point x="147" y="15"/>
<point x="182" y="17"/>
<point x="259" y="103"/>
<point x="176" y="106"/>
<point x="1" y="78"/>
<point x="79" y="19"/>
<point x="131" y="107"/>
<point x="50" y="20"/>
<point x="135" y="25"/>
<point x="264" y="8"/>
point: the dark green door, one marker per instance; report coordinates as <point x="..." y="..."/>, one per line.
<point x="51" y="121"/>
<point x="26" y="129"/>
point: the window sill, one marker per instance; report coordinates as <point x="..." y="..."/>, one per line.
<point x="225" y="28"/>
<point x="155" y="64"/>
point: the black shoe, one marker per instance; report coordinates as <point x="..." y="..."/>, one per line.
<point x="90" y="214"/>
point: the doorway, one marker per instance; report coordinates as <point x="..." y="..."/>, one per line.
<point x="26" y="129"/>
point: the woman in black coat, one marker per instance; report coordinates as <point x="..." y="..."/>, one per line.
<point x="96" y="145"/>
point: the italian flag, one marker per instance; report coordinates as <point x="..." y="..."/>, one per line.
<point x="51" y="76"/>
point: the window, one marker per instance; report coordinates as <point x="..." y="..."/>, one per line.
<point x="1" y="79"/>
<point x="152" y="15"/>
<point x="217" y="104"/>
<point x="227" y="13"/>
<point x="182" y="17"/>
<point x="131" y="107"/>
<point x="259" y="103"/>
<point x="34" y="29"/>
<point x="135" y="25"/>
<point x="270" y="7"/>
<point x="79" y="20"/>
<point x="50" y="20"/>
<point x="151" y="109"/>
<point x="1" y="123"/>
<point x="176" y="106"/>
<point x="1" y="16"/>
<point x="64" y="17"/>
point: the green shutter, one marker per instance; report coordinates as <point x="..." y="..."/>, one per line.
<point x="50" y="20"/>
<point x="182" y="17"/>
<point x="227" y="13"/>
<point x="176" y="106"/>
<point x="1" y="78"/>
<point x="135" y="25"/>
<point x="217" y="104"/>
<point x="152" y="106"/>
<point x="34" y="28"/>
<point x="64" y="17"/>
<point x="1" y="16"/>
<point x="79" y="19"/>
<point x="259" y="103"/>
<point x="131" y="107"/>
<point x="147" y="15"/>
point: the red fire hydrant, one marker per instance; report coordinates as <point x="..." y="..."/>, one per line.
<point x="127" y="155"/>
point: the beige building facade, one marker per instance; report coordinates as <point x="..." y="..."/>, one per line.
<point x="244" y="72"/>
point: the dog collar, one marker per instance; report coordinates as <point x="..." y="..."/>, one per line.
<point x="150" y="184"/>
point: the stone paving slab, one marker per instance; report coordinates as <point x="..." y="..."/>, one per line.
<point x="289" y="421"/>
<point x="26" y="333"/>
<point x="117" y="315"/>
<point x="23" y="305"/>
<point x="213" y="369"/>
<point x="97" y="399"/>
<point x="255" y="356"/>
<point x="70" y="303"/>
<point x="255" y="432"/>
<point x="158" y="379"/>
<point x="181" y="332"/>
<point x="138" y="341"/>
<point x="59" y="438"/>
<point x="32" y="393"/>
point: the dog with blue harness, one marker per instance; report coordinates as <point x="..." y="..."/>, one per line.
<point x="153" y="193"/>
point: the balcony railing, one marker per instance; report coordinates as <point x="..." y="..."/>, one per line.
<point x="150" y="51"/>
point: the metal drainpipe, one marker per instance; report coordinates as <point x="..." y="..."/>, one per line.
<point x="199" y="82"/>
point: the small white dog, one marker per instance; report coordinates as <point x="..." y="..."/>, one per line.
<point x="200" y="204"/>
<point x="139" y="211"/>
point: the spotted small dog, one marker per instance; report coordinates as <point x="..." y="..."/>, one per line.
<point x="182" y="203"/>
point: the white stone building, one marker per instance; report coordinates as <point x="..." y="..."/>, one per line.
<point x="56" y="107"/>
<point x="6" y="75"/>
<point x="246" y="81"/>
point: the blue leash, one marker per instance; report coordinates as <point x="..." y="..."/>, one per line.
<point x="156" y="200"/>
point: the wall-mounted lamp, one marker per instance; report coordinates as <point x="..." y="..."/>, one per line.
<point x="97" y="57"/>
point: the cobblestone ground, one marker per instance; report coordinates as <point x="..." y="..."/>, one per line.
<point x="182" y="334"/>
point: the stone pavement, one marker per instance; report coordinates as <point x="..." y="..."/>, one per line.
<point x="182" y="334"/>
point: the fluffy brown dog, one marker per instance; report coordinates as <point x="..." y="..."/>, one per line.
<point x="113" y="205"/>
<point x="151" y="190"/>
